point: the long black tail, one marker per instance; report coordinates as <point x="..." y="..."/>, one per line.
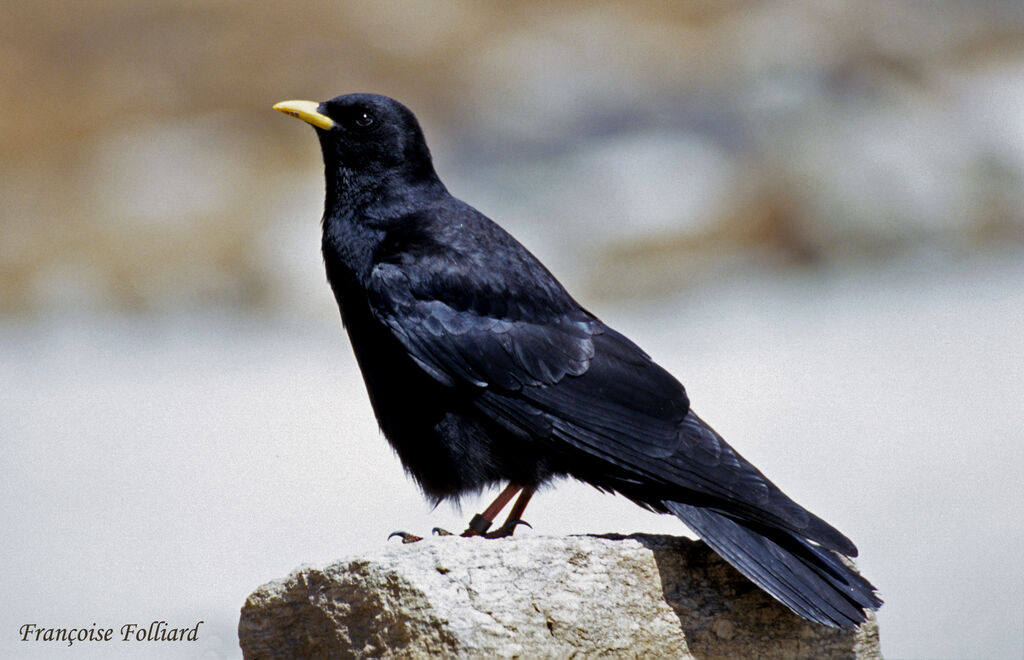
<point x="810" y="580"/>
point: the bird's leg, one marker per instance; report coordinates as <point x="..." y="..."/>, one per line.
<point x="481" y="522"/>
<point x="515" y="515"/>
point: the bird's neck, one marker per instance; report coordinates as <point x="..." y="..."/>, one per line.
<point x="361" y="208"/>
<point x="377" y="198"/>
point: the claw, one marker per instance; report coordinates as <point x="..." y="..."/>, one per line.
<point x="440" y="532"/>
<point x="482" y="522"/>
<point x="507" y="529"/>
<point x="406" y="537"/>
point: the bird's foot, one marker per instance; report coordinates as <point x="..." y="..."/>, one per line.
<point x="506" y="530"/>
<point x="481" y="530"/>
<point x="406" y="537"/>
<point x="481" y="522"/>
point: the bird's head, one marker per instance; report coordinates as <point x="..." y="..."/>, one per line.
<point x="366" y="137"/>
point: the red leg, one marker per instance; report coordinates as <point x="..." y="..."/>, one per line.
<point x="481" y="522"/>
<point x="515" y="515"/>
<point x="520" y="506"/>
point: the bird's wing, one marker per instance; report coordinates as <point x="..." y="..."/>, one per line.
<point x="464" y="326"/>
<point x="550" y="371"/>
<point x="462" y="341"/>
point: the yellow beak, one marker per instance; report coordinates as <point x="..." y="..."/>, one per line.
<point x="307" y="111"/>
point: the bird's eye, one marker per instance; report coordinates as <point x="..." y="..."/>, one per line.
<point x="364" y="119"/>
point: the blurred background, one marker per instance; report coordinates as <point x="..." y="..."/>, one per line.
<point x="811" y="213"/>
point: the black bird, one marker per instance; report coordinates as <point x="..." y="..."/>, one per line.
<point x="483" y="370"/>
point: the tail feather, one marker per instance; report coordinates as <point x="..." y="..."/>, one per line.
<point x="811" y="580"/>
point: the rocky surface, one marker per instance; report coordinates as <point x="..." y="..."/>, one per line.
<point x="642" y="595"/>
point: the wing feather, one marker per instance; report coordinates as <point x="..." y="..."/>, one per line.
<point x="552" y="372"/>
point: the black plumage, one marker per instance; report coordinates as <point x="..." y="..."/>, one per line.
<point x="482" y="369"/>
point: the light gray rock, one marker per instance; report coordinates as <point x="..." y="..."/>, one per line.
<point x="642" y="595"/>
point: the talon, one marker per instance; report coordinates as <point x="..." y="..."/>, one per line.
<point x="482" y="522"/>
<point x="441" y="532"/>
<point x="406" y="537"/>
<point x="507" y="529"/>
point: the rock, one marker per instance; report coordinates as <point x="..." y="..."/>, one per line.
<point x="639" y="595"/>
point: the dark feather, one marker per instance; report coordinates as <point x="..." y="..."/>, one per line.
<point x="482" y="369"/>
